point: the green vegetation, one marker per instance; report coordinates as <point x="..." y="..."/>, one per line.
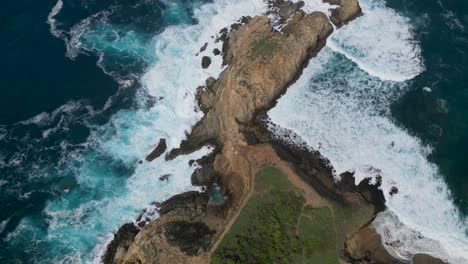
<point x="265" y="231"/>
<point x="275" y="226"/>
<point x="317" y="232"/>
<point x="264" y="47"/>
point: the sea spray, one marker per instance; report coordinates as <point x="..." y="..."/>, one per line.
<point x="341" y="107"/>
<point x="104" y="185"/>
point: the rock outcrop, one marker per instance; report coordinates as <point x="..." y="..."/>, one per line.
<point x="262" y="64"/>
<point x="158" y="151"/>
<point x="346" y="11"/>
<point x="365" y="247"/>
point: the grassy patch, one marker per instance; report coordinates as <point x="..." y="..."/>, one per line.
<point x="264" y="47"/>
<point x="318" y="236"/>
<point x="265" y="231"/>
<point x="275" y="226"/>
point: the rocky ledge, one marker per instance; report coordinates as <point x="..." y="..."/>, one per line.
<point x="262" y="64"/>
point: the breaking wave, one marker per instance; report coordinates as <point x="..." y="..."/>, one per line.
<point x="341" y="107"/>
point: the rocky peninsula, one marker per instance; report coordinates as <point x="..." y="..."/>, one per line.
<point x="265" y="201"/>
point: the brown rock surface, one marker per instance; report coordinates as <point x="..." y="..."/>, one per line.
<point x="366" y="247"/>
<point x="346" y="11"/>
<point x="262" y="64"/>
<point x="426" y="259"/>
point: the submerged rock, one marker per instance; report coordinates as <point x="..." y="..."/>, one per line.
<point x="165" y="177"/>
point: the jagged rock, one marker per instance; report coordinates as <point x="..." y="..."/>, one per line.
<point x="206" y="94"/>
<point x="206" y="62"/>
<point x="122" y="240"/>
<point x="194" y="203"/>
<point x="203" y="48"/>
<point x="203" y="176"/>
<point x="426" y="259"/>
<point x="346" y="11"/>
<point x="283" y="10"/>
<point x="262" y="65"/>
<point x="366" y="247"/>
<point x="158" y="151"/>
<point x="192" y="238"/>
<point x="393" y="190"/>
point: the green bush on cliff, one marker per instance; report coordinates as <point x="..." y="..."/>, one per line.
<point x="265" y="231"/>
<point x="275" y="226"/>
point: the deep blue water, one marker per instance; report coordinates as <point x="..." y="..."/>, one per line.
<point x="440" y="118"/>
<point x="58" y="92"/>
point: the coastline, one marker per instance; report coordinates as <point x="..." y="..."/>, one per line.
<point x="239" y="138"/>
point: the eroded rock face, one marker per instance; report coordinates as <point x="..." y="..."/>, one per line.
<point x="261" y="63"/>
<point x="346" y="11"/>
<point x="122" y="241"/>
<point x="366" y="247"/>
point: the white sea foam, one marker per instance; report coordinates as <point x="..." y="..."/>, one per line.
<point x="102" y="199"/>
<point x="343" y="111"/>
<point x="53" y="22"/>
<point x="3" y="224"/>
<point x="380" y="42"/>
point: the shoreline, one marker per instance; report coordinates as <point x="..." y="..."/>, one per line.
<point x="232" y="159"/>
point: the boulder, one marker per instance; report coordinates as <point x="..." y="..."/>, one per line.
<point x="158" y="151"/>
<point x="346" y="11"/>
<point x="206" y="62"/>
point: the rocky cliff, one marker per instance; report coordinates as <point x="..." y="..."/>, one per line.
<point x="261" y="64"/>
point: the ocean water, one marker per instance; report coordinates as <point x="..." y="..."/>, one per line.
<point x="387" y="97"/>
<point x="89" y="87"/>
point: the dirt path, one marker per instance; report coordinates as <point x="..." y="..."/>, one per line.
<point x="261" y="156"/>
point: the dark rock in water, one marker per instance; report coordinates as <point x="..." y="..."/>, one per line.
<point x="346" y="11"/>
<point x="203" y="48"/>
<point x="192" y="238"/>
<point x="206" y="62"/>
<point x="426" y="259"/>
<point x="165" y="177"/>
<point x="158" y="151"/>
<point x="194" y="203"/>
<point x="203" y="176"/>
<point x="124" y="238"/>
<point x="216" y="52"/>
<point x="393" y="191"/>
<point x="372" y="193"/>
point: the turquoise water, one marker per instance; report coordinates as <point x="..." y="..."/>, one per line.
<point x="88" y="90"/>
